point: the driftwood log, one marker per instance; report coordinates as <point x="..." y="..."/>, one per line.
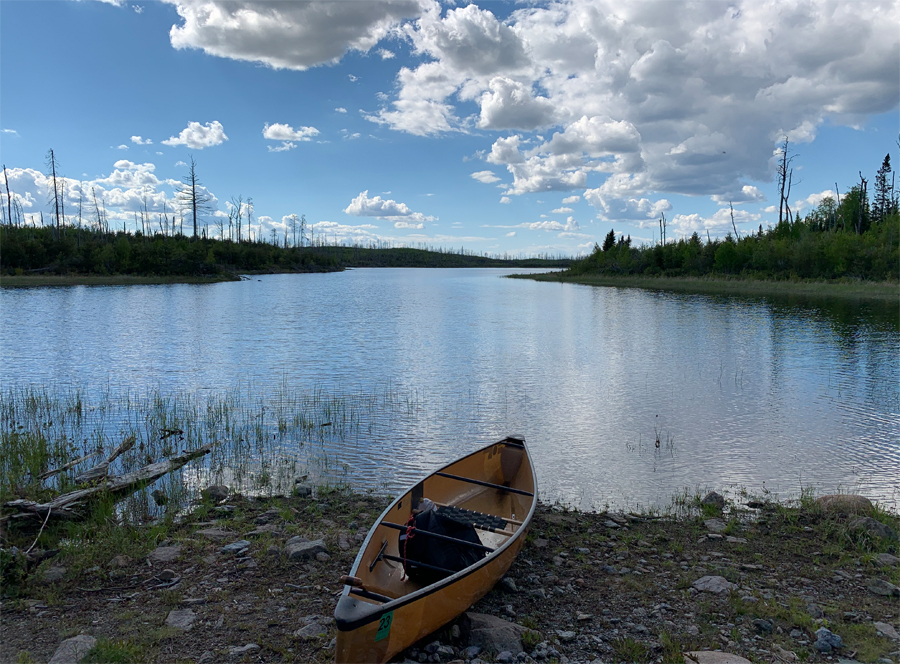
<point x="102" y="469"/>
<point x="66" y="506"/>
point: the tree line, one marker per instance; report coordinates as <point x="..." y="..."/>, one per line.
<point x="845" y="236"/>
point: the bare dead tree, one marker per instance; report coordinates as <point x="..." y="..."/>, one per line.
<point x="54" y="197"/>
<point x="731" y="208"/>
<point x="9" y="216"/>
<point x="192" y="195"/>
<point x="784" y="168"/>
<point x="236" y="215"/>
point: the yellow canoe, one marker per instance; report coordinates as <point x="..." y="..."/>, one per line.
<point x="382" y="611"/>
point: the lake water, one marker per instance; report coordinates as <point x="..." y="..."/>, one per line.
<point x="761" y="393"/>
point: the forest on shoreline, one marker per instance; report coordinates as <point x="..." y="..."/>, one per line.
<point x="843" y="237"/>
<point x="73" y="251"/>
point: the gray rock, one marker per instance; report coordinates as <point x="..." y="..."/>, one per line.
<point x="165" y="554"/>
<point x="71" y="651"/>
<point x="713" y="657"/>
<point x="492" y="633"/>
<point x="322" y="557"/>
<point x="713" y="499"/>
<point x="311" y="631"/>
<point x="715" y="525"/>
<point x="505" y="657"/>
<point x="300" y="550"/>
<point x="845" y="504"/>
<point x="166" y="575"/>
<point x="886" y="560"/>
<point x="566" y="635"/>
<point x="887" y="630"/>
<point x="266" y="529"/>
<point x="872" y="527"/>
<point x="713" y="584"/>
<point x="609" y="523"/>
<point x="735" y="540"/>
<point x="215" y="534"/>
<point x="471" y="652"/>
<point x="541" y="543"/>
<point x="763" y="626"/>
<point x="273" y="550"/>
<point x="826" y="640"/>
<point x="215" y="493"/>
<point x="54" y="574"/>
<point x="181" y="619"/>
<point x="815" y="610"/>
<point x="508" y="585"/>
<point x="343" y="542"/>
<point x="445" y="652"/>
<point x="120" y="561"/>
<point x="302" y="490"/>
<point x="236" y="547"/>
<point x="882" y="587"/>
<point x="237" y="651"/>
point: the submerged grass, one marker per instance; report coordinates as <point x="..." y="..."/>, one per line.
<point x="263" y="445"/>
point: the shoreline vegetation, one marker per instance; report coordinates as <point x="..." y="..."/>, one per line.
<point x="886" y="291"/>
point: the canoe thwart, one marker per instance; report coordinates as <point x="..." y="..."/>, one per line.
<point x="491" y="485"/>
<point x="446" y="538"/>
<point x="368" y="594"/>
<point x="416" y="563"/>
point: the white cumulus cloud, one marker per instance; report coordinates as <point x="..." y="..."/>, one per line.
<point x="485" y="176"/>
<point x="388" y="209"/>
<point x="197" y="136"/>
<point x="137" y="140"/>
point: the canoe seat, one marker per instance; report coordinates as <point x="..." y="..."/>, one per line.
<point x="471" y="517"/>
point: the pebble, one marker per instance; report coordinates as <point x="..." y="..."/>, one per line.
<point x="298" y="548"/>
<point x="164" y="554"/>
<point x="887" y="630"/>
<point x="566" y="635"/>
<point x="826" y="640"/>
<point x="236" y="651"/>
<point x="713" y="499"/>
<point x="181" y="619"/>
<point x="73" y="650"/>
<point x="882" y="587"/>
<point x="236" y="547"/>
<point x="713" y="584"/>
<point x="215" y="533"/>
<point x="715" y="525"/>
<point x="815" y="610"/>
<point x="886" y="560"/>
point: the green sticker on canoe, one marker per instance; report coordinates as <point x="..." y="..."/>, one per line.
<point x="384" y="626"/>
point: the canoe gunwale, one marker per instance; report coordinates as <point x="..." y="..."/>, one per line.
<point x="346" y="623"/>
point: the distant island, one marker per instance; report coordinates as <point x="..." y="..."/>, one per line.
<point x="31" y="255"/>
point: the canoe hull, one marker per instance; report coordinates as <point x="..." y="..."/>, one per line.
<point x="374" y="631"/>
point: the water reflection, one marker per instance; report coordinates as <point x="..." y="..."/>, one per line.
<point x="775" y="392"/>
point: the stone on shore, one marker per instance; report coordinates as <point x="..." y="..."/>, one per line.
<point x="237" y="651"/>
<point x="713" y="499"/>
<point x="491" y="633"/>
<point x="236" y="547"/>
<point x="886" y="560"/>
<point x="713" y="657"/>
<point x="215" y="533"/>
<point x="887" y="630"/>
<point x="181" y="619"/>
<point x="164" y="554"/>
<point x="215" y="493"/>
<point x="872" y="527"/>
<point x="54" y="574"/>
<point x="845" y="504"/>
<point x="71" y="651"/>
<point x="882" y="587"/>
<point x="715" y="525"/>
<point x="714" y="584"/>
<point x="298" y="548"/>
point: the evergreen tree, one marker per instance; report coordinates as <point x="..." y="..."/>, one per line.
<point x="883" y="191"/>
<point x="610" y="240"/>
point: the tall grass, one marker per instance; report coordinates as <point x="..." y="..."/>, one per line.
<point x="263" y="444"/>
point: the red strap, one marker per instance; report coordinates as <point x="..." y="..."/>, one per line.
<point x="410" y="533"/>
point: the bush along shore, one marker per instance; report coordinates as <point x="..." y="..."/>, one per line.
<point x="237" y="578"/>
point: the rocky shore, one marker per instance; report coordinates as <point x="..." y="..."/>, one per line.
<point x="256" y="580"/>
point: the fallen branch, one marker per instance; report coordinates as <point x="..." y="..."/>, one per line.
<point x="102" y="469"/>
<point x="116" y="486"/>
<point x="71" y="464"/>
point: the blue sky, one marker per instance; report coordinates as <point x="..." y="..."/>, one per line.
<point x="518" y="128"/>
